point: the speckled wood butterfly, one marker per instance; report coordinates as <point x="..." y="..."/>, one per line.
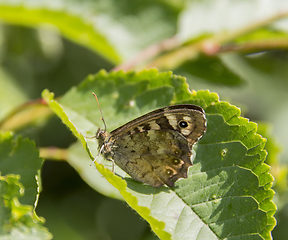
<point x="155" y="148"/>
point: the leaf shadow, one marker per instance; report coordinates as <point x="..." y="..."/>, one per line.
<point x="144" y="188"/>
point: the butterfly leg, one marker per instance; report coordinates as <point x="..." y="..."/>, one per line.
<point x="88" y="136"/>
<point x="113" y="163"/>
<point x="101" y="149"/>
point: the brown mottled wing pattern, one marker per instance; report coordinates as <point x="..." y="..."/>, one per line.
<point x="156" y="148"/>
<point x="154" y="157"/>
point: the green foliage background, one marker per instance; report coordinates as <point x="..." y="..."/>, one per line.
<point x="236" y="49"/>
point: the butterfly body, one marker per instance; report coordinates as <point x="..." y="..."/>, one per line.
<point x="155" y="148"/>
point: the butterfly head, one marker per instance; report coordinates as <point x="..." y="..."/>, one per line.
<point x="104" y="143"/>
<point x="101" y="134"/>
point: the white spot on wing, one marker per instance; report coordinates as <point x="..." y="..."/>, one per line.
<point x="187" y="119"/>
<point x="154" y="125"/>
<point x="172" y="120"/>
<point x="140" y="128"/>
<point x="185" y="132"/>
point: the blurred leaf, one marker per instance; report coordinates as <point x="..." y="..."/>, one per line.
<point x="272" y="63"/>
<point x="11" y="94"/>
<point x="219" y="26"/>
<point x="114" y="29"/>
<point x="263" y="33"/>
<point x="280" y="231"/>
<point x="25" y="115"/>
<point x="230" y="157"/>
<point x="278" y="169"/>
<point x="118" y="226"/>
<point x="218" y="72"/>
<point x="272" y="146"/>
<point x="62" y="221"/>
<point x="82" y="32"/>
<point x="22" y="158"/>
<point x="227" y="16"/>
<point x="18" y="221"/>
<point x="35" y="59"/>
<point x="88" y="173"/>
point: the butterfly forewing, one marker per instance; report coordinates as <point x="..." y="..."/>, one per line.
<point x="168" y="118"/>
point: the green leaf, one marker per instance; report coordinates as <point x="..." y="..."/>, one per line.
<point x="10" y="94"/>
<point x="71" y="25"/>
<point x="20" y="182"/>
<point x="18" y="221"/>
<point x="279" y="170"/>
<point x="115" y="30"/>
<point x="218" y="72"/>
<point x="229" y="184"/>
<point x="20" y="157"/>
<point x="211" y="17"/>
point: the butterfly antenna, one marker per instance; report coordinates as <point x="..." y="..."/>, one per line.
<point x="100" y="111"/>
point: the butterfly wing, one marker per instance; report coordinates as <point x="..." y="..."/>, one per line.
<point x="156" y="148"/>
<point x="155" y="157"/>
<point x="187" y="119"/>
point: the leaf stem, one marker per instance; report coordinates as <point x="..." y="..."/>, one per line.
<point x="53" y="153"/>
<point x="25" y="114"/>
<point x="149" y="53"/>
<point x="177" y="52"/>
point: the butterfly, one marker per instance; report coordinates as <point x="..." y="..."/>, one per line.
<point x="155" y="148"/>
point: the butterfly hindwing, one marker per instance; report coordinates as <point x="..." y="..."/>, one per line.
<point x="154" y="156"/>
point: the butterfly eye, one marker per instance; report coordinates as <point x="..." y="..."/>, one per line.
<point x="183" y="124"/>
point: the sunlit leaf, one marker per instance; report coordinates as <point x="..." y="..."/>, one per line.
<point x="229" y="184"/>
